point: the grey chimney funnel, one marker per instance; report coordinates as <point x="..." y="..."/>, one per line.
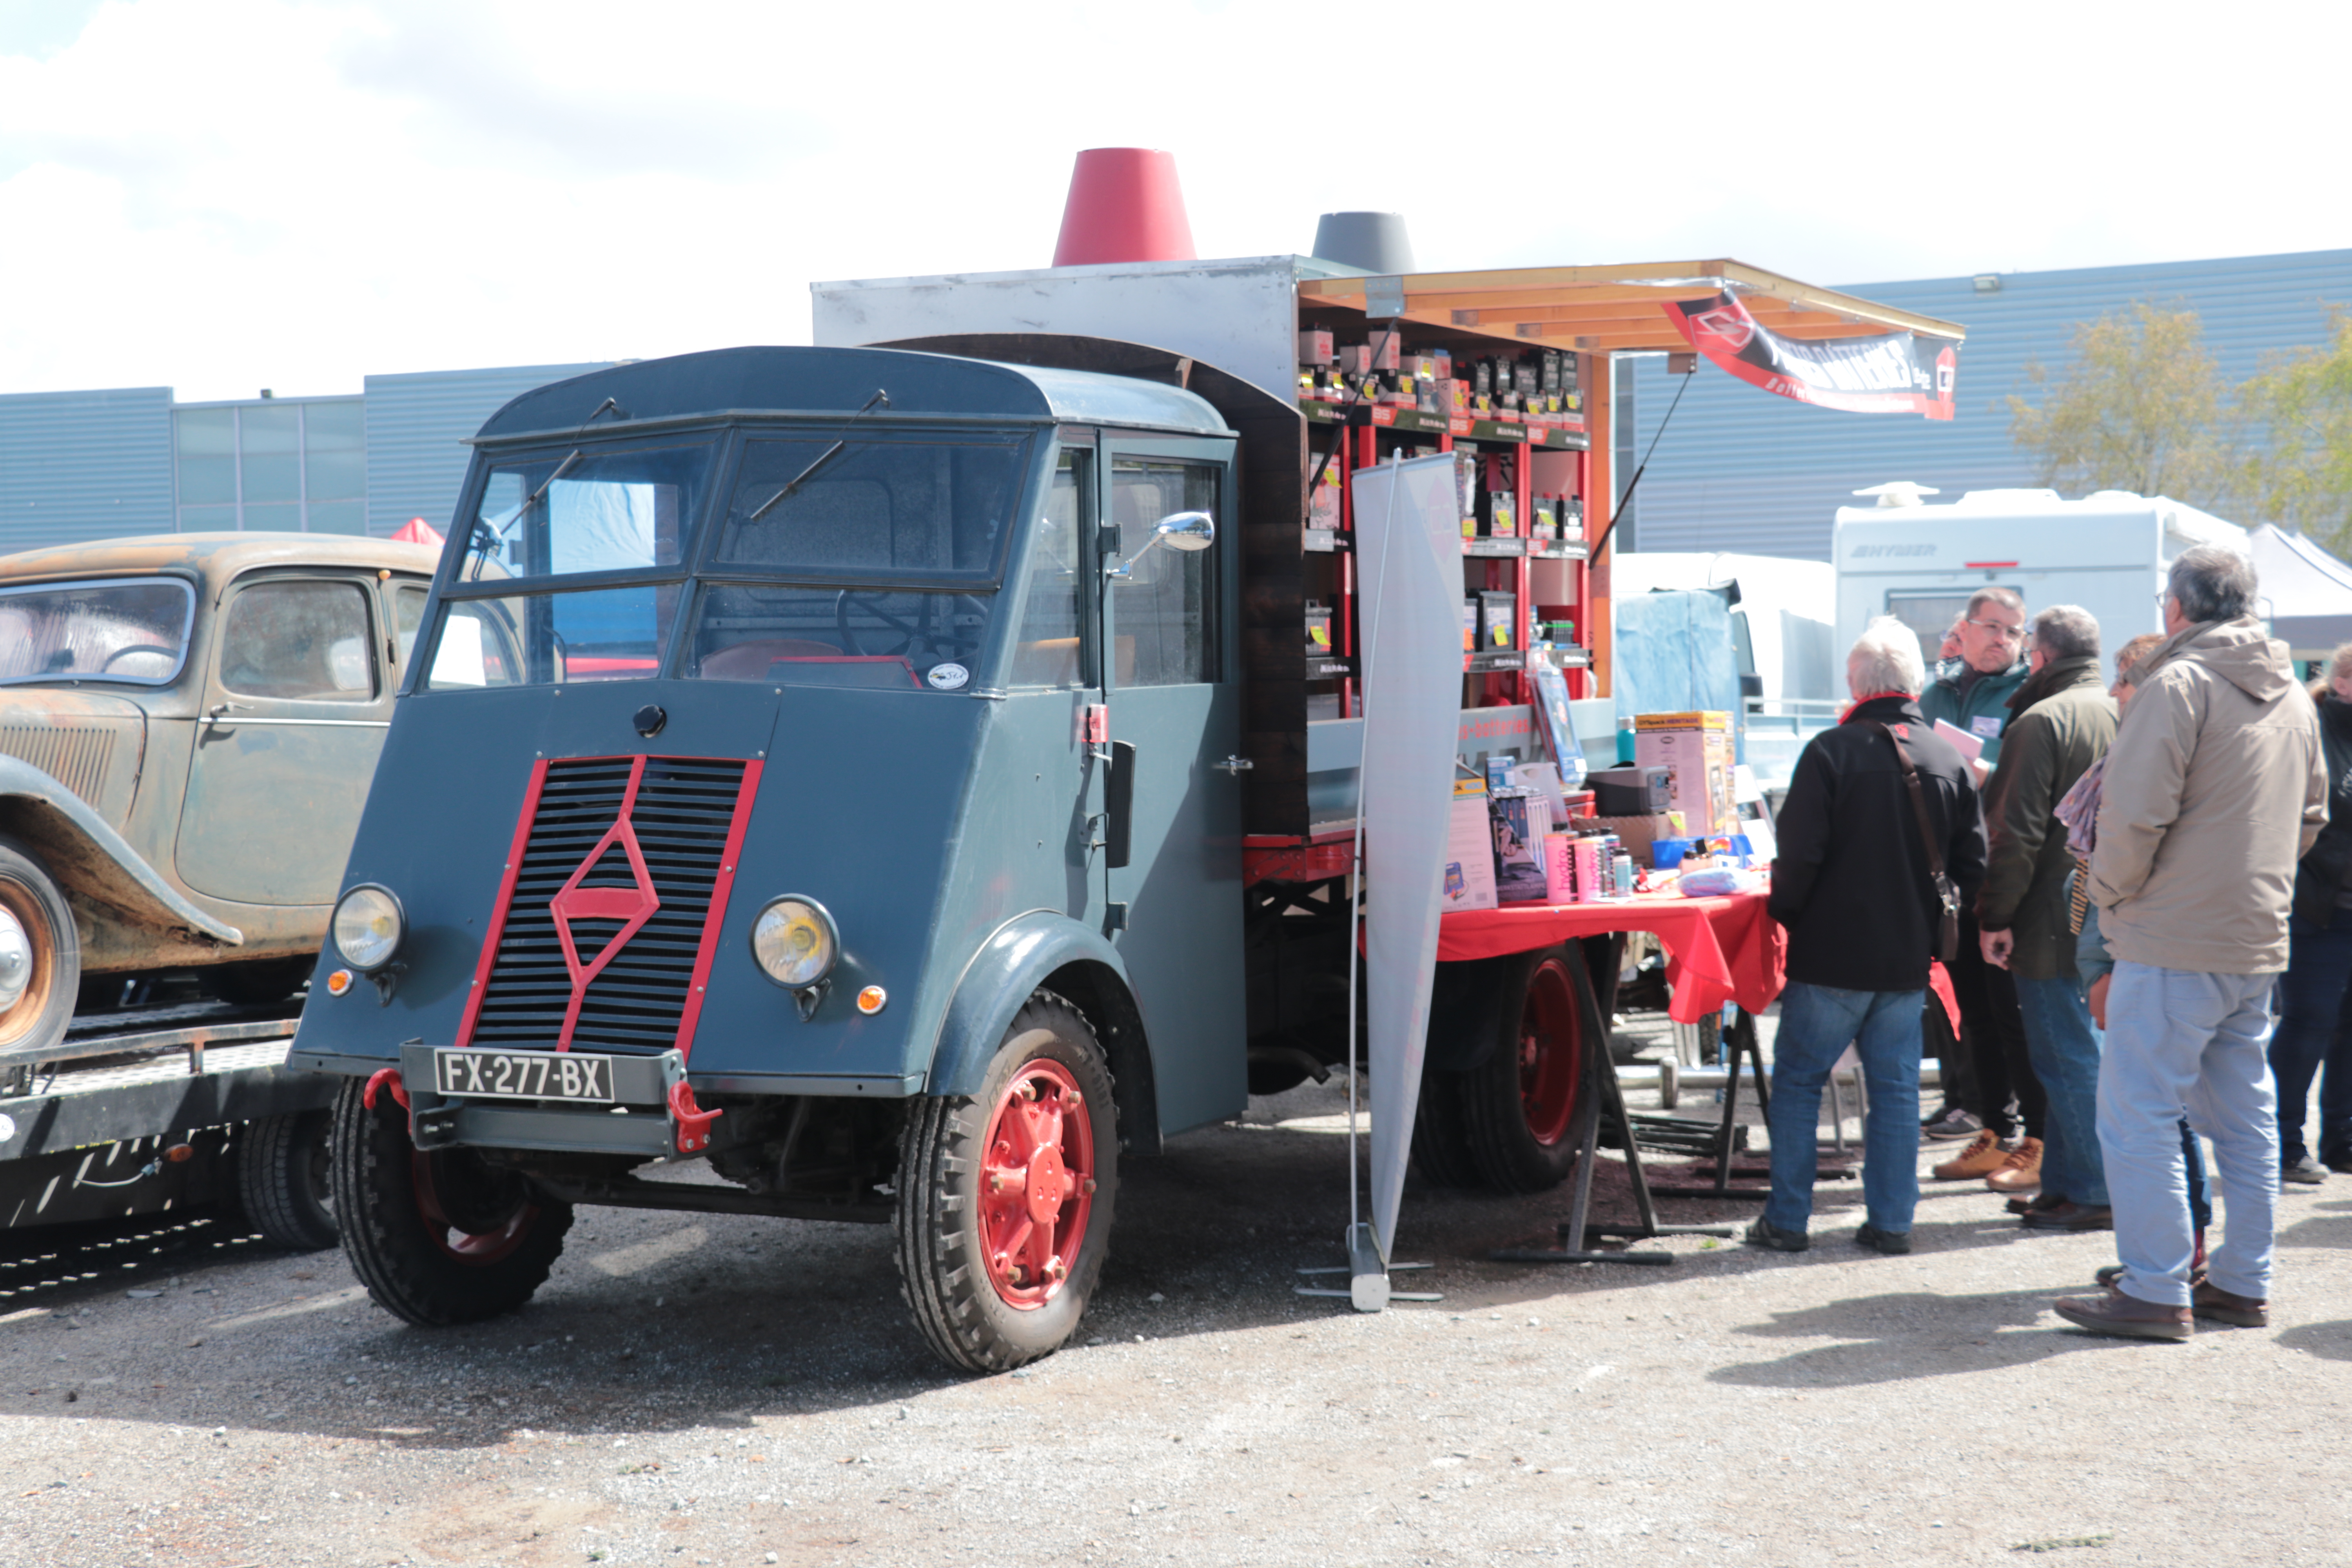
<point x="1374" y="241"/>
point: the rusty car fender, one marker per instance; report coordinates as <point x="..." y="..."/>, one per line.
<point x="1046" y="949"/>
<point x="91" y="861"/>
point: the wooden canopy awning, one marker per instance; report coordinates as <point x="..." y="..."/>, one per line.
<point x="1613" y="309"/>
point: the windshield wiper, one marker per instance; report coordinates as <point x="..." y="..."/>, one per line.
<point x="485" y="536"/>
<point x="880" y="397"/>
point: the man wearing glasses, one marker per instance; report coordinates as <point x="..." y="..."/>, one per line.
<point x="1993" y="1071"/>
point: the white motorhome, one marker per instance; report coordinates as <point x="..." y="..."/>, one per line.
<point x="1919" y="561"/>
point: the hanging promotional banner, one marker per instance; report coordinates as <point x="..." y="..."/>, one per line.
<point x="1898" y="373"/>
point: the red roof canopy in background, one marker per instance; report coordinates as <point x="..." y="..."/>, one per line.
<point x="416" y="530"/>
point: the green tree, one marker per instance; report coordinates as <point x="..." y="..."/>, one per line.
<point x="2140" y="406"/>
<point x="2301" y="476"/>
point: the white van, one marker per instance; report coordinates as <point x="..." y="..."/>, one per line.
<point x="1919" y="561"/>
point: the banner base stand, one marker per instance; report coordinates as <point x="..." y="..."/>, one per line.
<point x="1368" y="1284"/>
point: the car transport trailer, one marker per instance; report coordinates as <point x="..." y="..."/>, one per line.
<point x="886" y="775"/>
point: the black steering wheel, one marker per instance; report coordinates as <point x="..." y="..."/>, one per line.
<point x="168" y="652"/>
<point x="932" y="626"/>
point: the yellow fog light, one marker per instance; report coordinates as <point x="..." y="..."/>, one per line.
<point x="794" y="942"/>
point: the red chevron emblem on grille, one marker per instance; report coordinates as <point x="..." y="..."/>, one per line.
<point x="633" y="906"/>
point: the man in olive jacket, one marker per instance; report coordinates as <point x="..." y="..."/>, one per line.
<point x="2064" y="721"/>
<point x="2214" y="789"/>
<point x="1853" y="885"/>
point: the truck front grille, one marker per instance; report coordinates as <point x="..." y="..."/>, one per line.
<point x="631" y="991"/>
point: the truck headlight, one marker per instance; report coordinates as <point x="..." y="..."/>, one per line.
<point x="368" y="926"/>
<point x="794" y="942"/>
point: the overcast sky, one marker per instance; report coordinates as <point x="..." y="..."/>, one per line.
<point x="220" y="195"/>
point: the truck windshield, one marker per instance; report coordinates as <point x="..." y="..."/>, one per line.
<point x="588" y="510"/>
<point x="890" y="510"/>
<point x="134" y="630"/>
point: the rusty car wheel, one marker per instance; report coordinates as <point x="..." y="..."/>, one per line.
<point x="437" y="1238"/>
<point x="1005" y="1197"/>
<point x="40" y="955"/>
<point x="1518" y="1106"/>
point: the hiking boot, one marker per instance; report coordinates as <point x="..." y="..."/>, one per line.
<point x="1952" y="1122"/>
<point x="1893" y="1243"/>
<point x="1982" y="1157"/>
<point x="2067" y="1215"/>
<point x="2209" y="1301"/>
<point x="2126" y="1317"/>
<point x="2020" y="1172"/>
<point x="1764" y="1233"/>
<point x="2306" y="1172"/>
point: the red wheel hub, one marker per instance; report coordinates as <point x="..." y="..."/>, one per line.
<point x="1551" y="1053"/>
<point x="478" y="1248"/>
<point x="1036" y="1184"/>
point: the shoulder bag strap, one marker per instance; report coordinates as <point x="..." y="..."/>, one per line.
<point x="1919" y="800"/>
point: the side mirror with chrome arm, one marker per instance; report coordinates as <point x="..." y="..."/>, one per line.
<point x="1186" y="530"/>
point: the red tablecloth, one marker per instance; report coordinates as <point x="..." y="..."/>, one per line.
<point x="1718" y="950"/>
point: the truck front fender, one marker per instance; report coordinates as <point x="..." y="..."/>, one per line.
<point x="91" y="861"/>
<point x="1046" y="949"/>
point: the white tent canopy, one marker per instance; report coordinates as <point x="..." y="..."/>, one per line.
<point x="2307" y="592"/>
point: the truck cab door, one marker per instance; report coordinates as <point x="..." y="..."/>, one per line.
<point x="1171" y="673"/>
<point x="296" y="706"/>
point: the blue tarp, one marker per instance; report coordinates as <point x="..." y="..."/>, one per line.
<point x="1675" y="655"/>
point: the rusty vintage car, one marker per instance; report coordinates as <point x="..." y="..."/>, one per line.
<point x="188" y="727"/>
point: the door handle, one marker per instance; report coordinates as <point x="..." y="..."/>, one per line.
<point x="1236" y="766"/>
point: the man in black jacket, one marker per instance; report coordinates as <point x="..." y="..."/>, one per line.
<point x="1853" y="885"/>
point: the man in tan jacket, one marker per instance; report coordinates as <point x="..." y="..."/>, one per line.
<point x="2214" y="789"/>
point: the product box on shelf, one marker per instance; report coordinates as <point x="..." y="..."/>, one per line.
<point x="1499" y="614"/>
<point x="1696" y="750"/>
<point x="1318" y="628"/>
<point x="1520" y="820"/>
<point x="1469" y="626"/>
<point x="1323" y="501"/>
<point x="1315" y="346"/>
<point x="1469" y="880"/>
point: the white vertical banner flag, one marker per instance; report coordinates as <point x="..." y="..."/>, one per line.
<point x="1409" y="553"/>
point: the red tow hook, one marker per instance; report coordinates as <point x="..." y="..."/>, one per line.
<point x="384" y="1077"/>
<point x="693" y="1122"/>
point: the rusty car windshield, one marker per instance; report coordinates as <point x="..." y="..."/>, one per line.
<point x="134" y="630"/>
<point x="568" y="512"/>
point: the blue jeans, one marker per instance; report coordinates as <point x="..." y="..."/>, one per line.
<point x="1817" y="1024"/>
<point x="2064" y="1045"/>
<point x="2313" y="997"/>
<point x="2183" y="1039"/>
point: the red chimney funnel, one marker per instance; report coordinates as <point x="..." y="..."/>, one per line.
<point x="1124" y="206"/>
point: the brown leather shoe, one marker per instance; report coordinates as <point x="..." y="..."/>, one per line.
<point x="2126" y="1317"/>
<point x="2209" y="1301"/>
<point x="2038" y="1201"/>
<point x="1983" y="1156"/>
<point x="2068" y="1215"/>
<point x="2021" y="1170"/>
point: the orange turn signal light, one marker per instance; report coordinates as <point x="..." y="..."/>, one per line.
<point x="339" y="982"/>
<point x="180" y="1153"/>
<point x="871" y="999"/>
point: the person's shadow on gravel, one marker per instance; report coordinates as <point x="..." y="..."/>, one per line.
<point x="1919" y="1333"/>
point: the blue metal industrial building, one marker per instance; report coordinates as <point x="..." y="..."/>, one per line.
<point x="102" y="464"/>
<point x="1744" y="472"/>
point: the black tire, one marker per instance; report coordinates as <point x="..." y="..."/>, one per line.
<point x="30" y="900"/>
<point x="1518" y="1106"/>
<point x="984" y="1313"/>
<point x="261" y="983"/>
<point x="284" y="1179"/>
<point x="483" y="1246"/>
<point x="1440" y="1145"/>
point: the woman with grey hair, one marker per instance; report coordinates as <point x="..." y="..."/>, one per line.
<point x="1853" y="884"/>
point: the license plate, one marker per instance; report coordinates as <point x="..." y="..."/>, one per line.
<point x="523" y="1075"/>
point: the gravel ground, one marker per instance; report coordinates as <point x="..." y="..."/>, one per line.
<point x="690" y="1390"/>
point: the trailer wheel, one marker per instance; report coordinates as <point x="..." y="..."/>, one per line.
<point x="437" y="1238"/>
<point x="1440" y="1145"/>
<point x="1005" y="1199"/>
<point x="40" y="955"/>
<point x="1518" y="1106"/>
<point x="283" y="1182"/>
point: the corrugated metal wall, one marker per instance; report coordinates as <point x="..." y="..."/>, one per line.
<point x="84" y="465"/>
<point x="416" y="427"/>
<point x="1740" y="469"/>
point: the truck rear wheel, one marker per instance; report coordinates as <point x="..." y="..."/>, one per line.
<point x="1518" y="1106"/>
<point x="40" y="955"/>
<point x="284" y="1183"/>
<point x="1004" y="1198"/>
<point x="437" y="1238"/>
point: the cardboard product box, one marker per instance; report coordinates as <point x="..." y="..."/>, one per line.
<point x="1498" y="617"/>
<point x="1696" y="750"/>
<point x="1638" y="835"/>
<point x="1469" y="880"/>
<point x="1520" y="820"/>
<point x="1315" y="346"/>
<point x="1387" y="349"/>
<point x="1469" y="626"/>
<point x="1354" y="359"/>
